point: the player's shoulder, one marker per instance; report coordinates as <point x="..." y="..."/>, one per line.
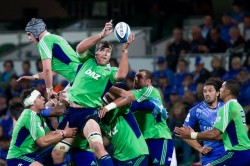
<point x="220" y="104"/>
<point x="198" y="107"/>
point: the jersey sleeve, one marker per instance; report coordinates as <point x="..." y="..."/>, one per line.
<point x="142" y="94"/>
<point x="223" y="118"/>
<point x="35" y="126"/>
<point x="85" y="56"/>
<point x="45" y="48"/>
<point x="113" y="73"/>
<point x="191" y="118"/>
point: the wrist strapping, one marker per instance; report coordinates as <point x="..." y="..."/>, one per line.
<point x="194" y="135"/>
<point x="36" y="76"/>
<point x="110" y="106"/>
<point x="49" y="89"/>
<point x="101" y="36"/>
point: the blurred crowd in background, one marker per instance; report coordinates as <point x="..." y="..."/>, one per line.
<point x="180" y="88"/>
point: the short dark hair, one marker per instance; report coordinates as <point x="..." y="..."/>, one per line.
<point x="16" y="109"/>
<point x="215" y="83"/>
<point x="233" y="86"/>
<point x="104" y="44"/>
<point x="148" y="74"/>
<point x="26" y="62"/>
<point x="26" y="93"/>
<point x="10" y="62"/>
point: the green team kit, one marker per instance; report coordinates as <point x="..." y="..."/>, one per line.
<point x="91" y="83"/>
<point x="64" y="60"/>
<point x="150" y="126"/>
<point x="29" y="127"/>
<point x="121" y="128"/>
<point x="231" y="122"/>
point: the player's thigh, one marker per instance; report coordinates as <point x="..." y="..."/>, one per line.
<point x="91" y="126"/>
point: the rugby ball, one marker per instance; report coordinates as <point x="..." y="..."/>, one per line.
<point x="122" y="32"/>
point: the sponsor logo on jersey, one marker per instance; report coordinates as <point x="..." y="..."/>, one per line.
<point x="113" y="132"/>
<point x="92" y="74"/>
<point x="208" y="128"/>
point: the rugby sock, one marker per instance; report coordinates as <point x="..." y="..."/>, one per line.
<point x="61" y="164"/>
<point x="106" y="160"/>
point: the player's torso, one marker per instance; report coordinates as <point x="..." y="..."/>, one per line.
<point x="91" y="83"/>
<point x="22" y="141"/>
<point x="206" y="118"/>
<point x="150" y="126"/>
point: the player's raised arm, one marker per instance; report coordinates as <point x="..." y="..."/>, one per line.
<point x="123" y="65"/>
<point x="89" y="42"/>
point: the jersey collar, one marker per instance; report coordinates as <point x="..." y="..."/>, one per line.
<point x="233" y="100"/>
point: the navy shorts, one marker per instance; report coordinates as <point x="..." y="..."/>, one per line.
<point x="24" y="160"/>
<point x="160" y="151"/>
<point x="77" y="117"/>
<point x="44" y="156"/>
<point x="81" y="157"/>
<point x="234" y="158"/>
<point x="139" y="161"/>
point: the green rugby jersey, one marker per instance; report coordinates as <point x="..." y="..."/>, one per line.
<point x="121" y="128"/>
<point x="64" y="60"/>
<point x="231" y="121"/>
<point x="152" y="128"/>
<point x="29" y="127"/>
<point x="91" y="83"/>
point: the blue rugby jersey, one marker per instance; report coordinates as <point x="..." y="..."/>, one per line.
<point x="205" y="117"/>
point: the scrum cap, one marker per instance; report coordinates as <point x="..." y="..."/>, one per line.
<point x="35" y="26"/>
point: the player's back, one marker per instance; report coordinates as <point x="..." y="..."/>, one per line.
<point x="233" y="126"/>
<point x="124" y="133"/>
<point x="64" y="59"/>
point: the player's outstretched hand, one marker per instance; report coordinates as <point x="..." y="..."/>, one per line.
<point x="25" y="78"/>
<point x="102" y="112"/>
<point x="130" y="40"/>
<point x="182" y="132"/>
<point x="107" y="30"/>
<point x="69" y="132"/>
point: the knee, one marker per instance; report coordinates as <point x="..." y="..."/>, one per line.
<point x="95" y="141"/>
<point x="57" y="155"/>
<point x="60" y="150"/>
